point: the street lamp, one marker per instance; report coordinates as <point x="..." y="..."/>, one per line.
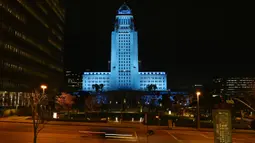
<point x="198" y="112"/>
<point x="43" y="87"/>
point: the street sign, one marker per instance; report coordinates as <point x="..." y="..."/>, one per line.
<point x="222" y="126"/>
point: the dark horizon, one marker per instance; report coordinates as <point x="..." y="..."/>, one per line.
<point x="186" y="40"/>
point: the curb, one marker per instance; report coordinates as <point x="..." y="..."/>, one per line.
<point x="70" y="124"/>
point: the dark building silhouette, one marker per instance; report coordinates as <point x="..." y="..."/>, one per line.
<point x="31" y="47"/>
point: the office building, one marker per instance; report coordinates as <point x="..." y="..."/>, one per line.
<point x="31" y="48"/>
<point x="234" y="86"/>
<point x="124" y="65"/>
<point x="73" y="80"/>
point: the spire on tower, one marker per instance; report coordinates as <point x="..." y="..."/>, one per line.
<point x="124" y="9"/>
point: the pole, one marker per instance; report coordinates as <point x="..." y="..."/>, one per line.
<point x="43" y="91"/>
<point x="198" y="113"/>
<point x="146" y="121"/>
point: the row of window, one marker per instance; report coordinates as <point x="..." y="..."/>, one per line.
<point x="124" y="68"/>
<point x="54" y="44"/>
<point x="151" y="81"/>
<point x="57" y="11"/>
<point x="158" y="85"/>
<point x="22" y="17"/>
<point x="124" y="74"/>
<point x="124" y="50"/>
<point x="25" y="54"/>
<point x="29" y="9"/>
<point x="124" y="56"/>
<point x="25" y="70"/>
<point x="152" y="78"/>
<point x="10" y="84"/>
<point x="121" y="58"/>
<point x="98" y="81"/>
<point x="13" y="12"/>
<point x="98" y="78"/>
<point x="124" y="47"/>
<point x="124" y="42"/>
<point x="56" y="4"/>
<point x="123" y="81"/>
<point x="124" y="38"/>
<point x="124" y="53"/>
<point x="27" y="39"/>
<point x="122" y="21"/>
<point x="57" y="34"/>
<point x="42" y="8"/>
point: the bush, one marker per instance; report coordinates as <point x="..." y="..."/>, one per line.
<point x="25" y="111"/>
<point x="9" y="112"/>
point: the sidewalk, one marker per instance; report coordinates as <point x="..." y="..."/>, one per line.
<point x="16" y="119"/>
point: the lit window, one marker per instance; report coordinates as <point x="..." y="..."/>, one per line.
<point x="13" y="12"/>
<point x="33" y="13"/>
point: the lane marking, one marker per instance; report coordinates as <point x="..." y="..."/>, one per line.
<point x="122" y="140"/>
<point x="136" y="137"/>
<point x="179" y="141"/>
<point x="205" y="136"/>
<point x="123" y="135"/>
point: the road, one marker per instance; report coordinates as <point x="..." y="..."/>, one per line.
<point x="22" y="133"/>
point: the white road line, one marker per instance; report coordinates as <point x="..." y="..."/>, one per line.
<point x="205" y="136"/>
<point x="174" y="137"/>
<point x="136" y="137"/>
<point x="122" y="140"/>
<point x="238" y="139"/>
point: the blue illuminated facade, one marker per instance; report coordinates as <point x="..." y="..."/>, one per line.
<point x="124" y="74"/>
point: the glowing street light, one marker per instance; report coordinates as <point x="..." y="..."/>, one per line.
<point x="43" y="87"/>
<point x="198" y="93"/>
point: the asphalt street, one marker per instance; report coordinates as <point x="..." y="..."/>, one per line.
<point x="22" y="133"/>
<point x="207" y="137"/>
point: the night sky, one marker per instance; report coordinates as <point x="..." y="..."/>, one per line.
<point x="191" y="41"/>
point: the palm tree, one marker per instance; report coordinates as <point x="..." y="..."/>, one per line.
<point x="154" y="87"/>
<point x="96" y="87"/>
<point x="101" y="86"/>
<point x="151" y="87"/>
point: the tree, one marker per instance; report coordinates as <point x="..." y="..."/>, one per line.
<point x="101" y="86"/>
<point x="151" y="87"/>
<point x="96" y="87"/>
<point x="66" y="101"/>
<point x="166" y="102"/>
<point x="89" y="103"/>
<point x="37" y="100"/>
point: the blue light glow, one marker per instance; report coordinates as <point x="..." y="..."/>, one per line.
<point x="124" y="61"/>
<point x="124" y="9"/>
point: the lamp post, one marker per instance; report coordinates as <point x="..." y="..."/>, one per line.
<point x="198" y="112"/>
<point x="43" y="87"/>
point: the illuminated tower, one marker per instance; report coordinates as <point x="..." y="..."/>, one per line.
<point x="124" y="52"/>
<point x="124" y="65"/>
